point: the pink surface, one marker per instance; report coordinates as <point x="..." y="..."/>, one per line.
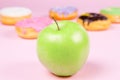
<point x="18" y="57"/>
<point x="41" y="7"/>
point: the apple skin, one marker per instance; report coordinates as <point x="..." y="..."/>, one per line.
<point x="63" y="52"/>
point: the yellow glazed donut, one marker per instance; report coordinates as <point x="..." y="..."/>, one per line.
<point x="63" y="13"/>
<point x="11" y="15"/>
<point x="112" y="13"/>
<point x="94" y="21"/>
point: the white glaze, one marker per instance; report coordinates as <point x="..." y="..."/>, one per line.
<point x="15" y="11"/>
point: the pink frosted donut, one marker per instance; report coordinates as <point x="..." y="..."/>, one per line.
<point x="29" y="28"/>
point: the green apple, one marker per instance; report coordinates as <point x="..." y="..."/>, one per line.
<point x="64" y="50"/>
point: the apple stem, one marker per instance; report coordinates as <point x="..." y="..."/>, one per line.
<point x="56" y="23"/>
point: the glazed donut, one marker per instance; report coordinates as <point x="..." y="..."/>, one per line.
<point x="11" y="15"/>
<point x="63" y="13"/>
<point x="29" y="28"/>
<point x="112" y="13"/>
<point x="94" y="21"/>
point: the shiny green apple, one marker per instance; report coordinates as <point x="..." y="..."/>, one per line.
<point x="63" y="51"/>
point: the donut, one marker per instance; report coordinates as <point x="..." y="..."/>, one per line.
<point x="94" y="21"/>
<point x="11" y="15"/>
<point x="29" y="28"/>
<point x="63" y="13"/>
<point x="112" y="13"/>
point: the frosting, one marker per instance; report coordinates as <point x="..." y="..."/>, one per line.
<point x="90" y="17"/>
<point x="111" y="11"/>
<point x="37" y="23"/>
<point x="15" y="11"/>
<point x="64" y="10"/>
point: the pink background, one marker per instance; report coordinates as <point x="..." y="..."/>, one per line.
<point x="18" y="57"/>
<point x="41" y="7"/>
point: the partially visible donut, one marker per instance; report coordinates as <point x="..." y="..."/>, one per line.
<point x="112" y="13"/>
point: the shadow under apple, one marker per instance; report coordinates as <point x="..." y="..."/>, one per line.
<point x="36" y="71"/>
<point x="89" y="70"/>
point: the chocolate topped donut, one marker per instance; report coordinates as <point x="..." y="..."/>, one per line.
<point x="90" y="17"/>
